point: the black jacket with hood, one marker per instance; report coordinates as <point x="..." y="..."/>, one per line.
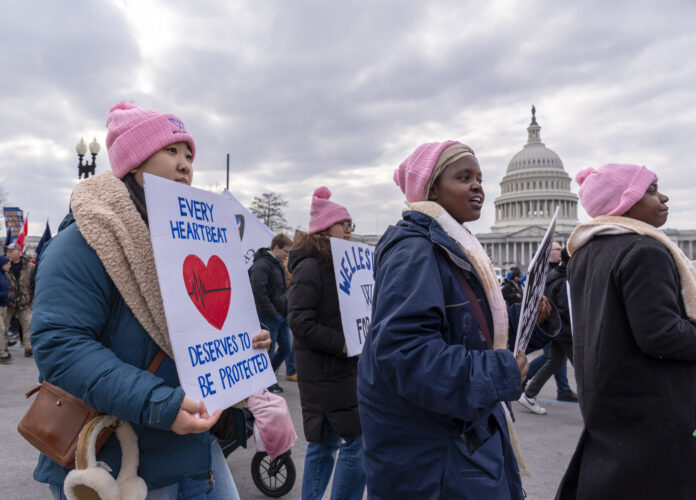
<point x="510" y="290"/>
<point x="327" y="378"/>
<point x="267" y="276"/>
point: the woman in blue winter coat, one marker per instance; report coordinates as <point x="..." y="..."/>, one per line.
<point x="98" y="319"/>
<point x="435" y="368"/>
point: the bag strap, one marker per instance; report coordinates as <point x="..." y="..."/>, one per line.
<point x="154" y="366"/>
<point x="106" y="431"/>
<point x="156" y="362"/>
<point x="32" y="391"/>
<point x="474" y="301"/>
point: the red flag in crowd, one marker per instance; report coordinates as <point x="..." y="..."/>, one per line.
<point x="23" y="234"/>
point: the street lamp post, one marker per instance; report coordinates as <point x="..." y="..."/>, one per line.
<point x="87" y="168"/>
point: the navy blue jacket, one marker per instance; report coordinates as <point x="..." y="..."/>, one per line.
<point x="429" y="392"/>
<point x="87" y="341"/>
<point x="4" y="288"/>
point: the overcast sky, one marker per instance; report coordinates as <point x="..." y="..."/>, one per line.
<point x="310" y="93"/>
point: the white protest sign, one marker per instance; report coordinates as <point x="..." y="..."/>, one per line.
<point x="353" y="266"/>
<point x="253" y="233"/>
<point x="534" y="289"/>
<point x="207" y="297"/>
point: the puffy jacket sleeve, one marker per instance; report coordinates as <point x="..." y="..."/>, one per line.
<point x="72" y="306"/>
<point x="651" y="288"/>
<point x="259" y="277"/>
<point x="304" y="297"/>
<point x="408" y="347"/>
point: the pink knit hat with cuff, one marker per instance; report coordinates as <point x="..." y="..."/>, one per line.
<point x="134" y="134"/>
<point x="414" y="172"/>
<point x="324" y="212"/>
<point x="613" y="188"/>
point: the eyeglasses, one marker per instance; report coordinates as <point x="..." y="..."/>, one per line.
<point x="348" y="226"/>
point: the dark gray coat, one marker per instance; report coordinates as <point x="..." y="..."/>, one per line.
<point x="635" y="366"/>
<point x="267" y="276"/>
<point x="510" y="289"/>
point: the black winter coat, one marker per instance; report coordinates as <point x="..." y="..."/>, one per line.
<point x="557" y="292"/>
<point x="327" y="378"/>
<point x="267" y="276"/>
<point x="635" y="367"/>
<point x="510" y="289"/>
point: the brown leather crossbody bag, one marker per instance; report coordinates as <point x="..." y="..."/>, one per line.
<point x="54" y="420"/>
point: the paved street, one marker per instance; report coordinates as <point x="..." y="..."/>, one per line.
<point x="548" y="441"/>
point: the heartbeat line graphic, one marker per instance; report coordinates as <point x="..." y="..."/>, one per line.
<point x="198" y="290"/>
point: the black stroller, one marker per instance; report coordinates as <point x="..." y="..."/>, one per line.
<point x="273" y="477"/>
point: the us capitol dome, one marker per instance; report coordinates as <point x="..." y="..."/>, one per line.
<point x="534" y="185"/>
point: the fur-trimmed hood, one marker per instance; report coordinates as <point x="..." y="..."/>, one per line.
<point x="612" y="225"/>
<point x="108" y="220"/>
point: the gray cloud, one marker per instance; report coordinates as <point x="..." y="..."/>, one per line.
<point x="309" y="93"/>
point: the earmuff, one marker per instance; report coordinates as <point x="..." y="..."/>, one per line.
<point x="91" y="481"/>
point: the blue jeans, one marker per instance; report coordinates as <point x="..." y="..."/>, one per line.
<point x="223" y="487"/>
<point x="349" y="476"/>
<point x="561" y="374"/>
<point x="280" y="335"/>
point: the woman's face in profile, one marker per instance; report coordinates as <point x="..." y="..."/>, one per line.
<point x="458" y="190"/>
<point x="651" y="208"/>
<point x="342" y="230"/>
<point x="173" y="162"/>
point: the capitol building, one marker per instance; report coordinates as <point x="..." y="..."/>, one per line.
<point x="534" y="185"/>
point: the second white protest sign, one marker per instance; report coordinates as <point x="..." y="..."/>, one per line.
<point x="353" y="266"/>
<point x="253" y="233"/>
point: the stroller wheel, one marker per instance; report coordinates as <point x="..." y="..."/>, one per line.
<point x="274" y="478"/>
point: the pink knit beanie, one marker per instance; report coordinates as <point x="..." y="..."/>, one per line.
<point x="324" y="212"/>
<point x="414" y="172"/>
<point x="134" y="134"/>
<point x="613" y="188"/>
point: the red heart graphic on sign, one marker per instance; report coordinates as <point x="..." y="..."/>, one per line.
<point x="208" y="287"/>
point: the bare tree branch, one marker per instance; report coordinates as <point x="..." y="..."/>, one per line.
<point x="269" y="209"/>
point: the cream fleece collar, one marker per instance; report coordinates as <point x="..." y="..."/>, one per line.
<point x="113" y="228"/>
<point x="607" y="225"/>
<point x="472" y="249"/>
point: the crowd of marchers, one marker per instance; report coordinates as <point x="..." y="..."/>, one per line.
<point x="424" y="411"/>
